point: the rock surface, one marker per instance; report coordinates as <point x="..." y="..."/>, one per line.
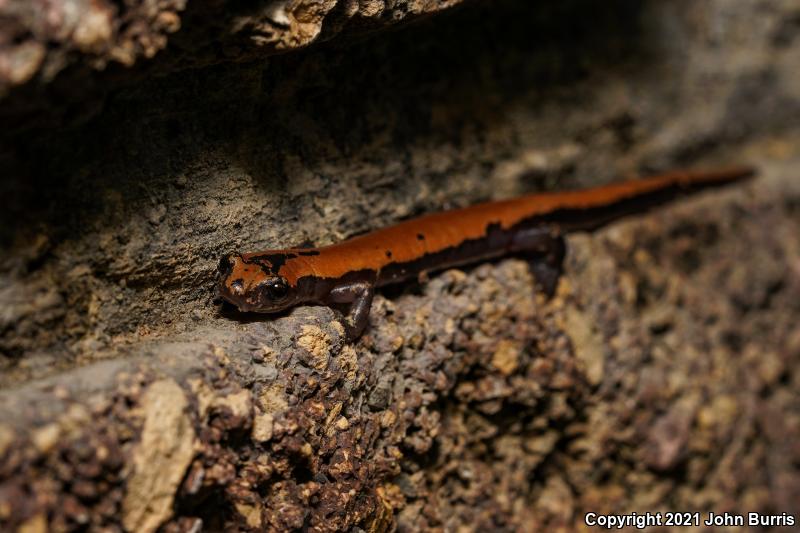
<point x="143" y="142"/>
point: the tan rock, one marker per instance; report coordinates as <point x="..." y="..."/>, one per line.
<point x="160" y="459"/>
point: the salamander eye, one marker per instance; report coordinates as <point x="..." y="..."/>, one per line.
<point x="277" y="289"/>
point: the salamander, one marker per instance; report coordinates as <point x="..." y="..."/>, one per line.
<point x="347" y="273"/>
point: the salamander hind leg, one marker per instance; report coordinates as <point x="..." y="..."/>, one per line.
<point x="359" y="295"/>
<point x="545" y="249"/>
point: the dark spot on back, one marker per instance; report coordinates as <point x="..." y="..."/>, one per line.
<point x="420" y="237"/>
<point x="492" y="227"/>
<point x="389" y="254"/>
<point x="272" y="263"/>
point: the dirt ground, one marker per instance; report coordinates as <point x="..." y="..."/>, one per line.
<point x="141" y="142"/>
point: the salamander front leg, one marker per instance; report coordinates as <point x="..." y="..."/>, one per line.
<point x="359" y="295"/>
<point x="545" y="249"/>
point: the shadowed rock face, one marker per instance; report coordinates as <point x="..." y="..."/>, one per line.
<point x="42" y="40"/>
<point x="141" y="143"/>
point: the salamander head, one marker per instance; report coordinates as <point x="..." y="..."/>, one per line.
<point x="251" y="286"/>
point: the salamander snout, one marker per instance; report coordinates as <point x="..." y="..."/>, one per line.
<point x="231" y="280"/>
<point x="225" y="266"/>
<point x="245" y="284"/>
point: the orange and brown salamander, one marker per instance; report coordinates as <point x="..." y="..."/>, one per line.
<point x="534" y="225"/>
